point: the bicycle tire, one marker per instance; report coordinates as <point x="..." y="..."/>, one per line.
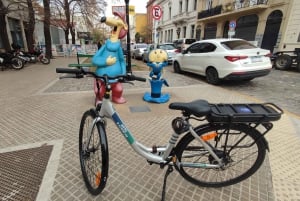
<point x="95" y="161"/>
<point x="240" y="159"/>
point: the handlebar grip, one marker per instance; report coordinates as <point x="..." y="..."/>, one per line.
<point x="69" y="70"/>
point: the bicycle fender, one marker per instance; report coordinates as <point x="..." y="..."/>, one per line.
<point x="265" y="142"/>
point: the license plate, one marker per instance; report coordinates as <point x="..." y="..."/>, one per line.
<point x="255" y="59"/>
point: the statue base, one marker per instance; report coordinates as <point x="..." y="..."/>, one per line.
<point x="163" y="98"/>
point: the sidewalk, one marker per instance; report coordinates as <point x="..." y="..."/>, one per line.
<point x="40" y="111"/>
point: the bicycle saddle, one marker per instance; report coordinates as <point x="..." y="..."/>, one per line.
<point x="199" y="108"/>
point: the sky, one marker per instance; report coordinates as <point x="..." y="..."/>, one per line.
<point x="140" y="5"/>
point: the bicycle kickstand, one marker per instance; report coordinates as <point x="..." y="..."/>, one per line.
<point x="169" y="170"/>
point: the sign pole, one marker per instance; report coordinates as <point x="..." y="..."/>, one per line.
<point x="128" y="56"/>
<point x="155" y="32"/>
<point x="156" y="14"/>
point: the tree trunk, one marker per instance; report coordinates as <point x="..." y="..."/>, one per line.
<point x="30" y="28"/>
<point x="47" y="28"/>
<point x="67" y="35"/>
<point x="67" y="14"/>
<point x="73" y="35"/>
<point x="3" y="30"/>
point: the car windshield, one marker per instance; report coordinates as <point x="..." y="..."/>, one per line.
<point x="189" y="41"/>
<point x="237" y="45"/>
<point x="166" y="47"/>
<point x="141" y="45"/>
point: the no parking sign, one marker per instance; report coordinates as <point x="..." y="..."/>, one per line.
<point x="156" y="12"/>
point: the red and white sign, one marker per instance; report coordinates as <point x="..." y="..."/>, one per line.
<point x="156" y="12"/>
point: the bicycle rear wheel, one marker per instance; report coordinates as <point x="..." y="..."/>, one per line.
<point x="93" y="153"/>
<point x="241" y="158"/>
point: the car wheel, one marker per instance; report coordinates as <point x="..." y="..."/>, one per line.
<point x="283" y="62"/>
<point x="176" y="67"/>
<point x="212" y="76"/>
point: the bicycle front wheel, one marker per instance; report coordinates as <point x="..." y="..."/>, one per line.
<point x="240" y="149"/>
<point x="93" y="153"/>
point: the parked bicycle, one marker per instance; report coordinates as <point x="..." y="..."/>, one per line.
<point x="226" y="148"/>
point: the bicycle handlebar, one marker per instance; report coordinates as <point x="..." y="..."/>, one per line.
<point x="80" y="72"/>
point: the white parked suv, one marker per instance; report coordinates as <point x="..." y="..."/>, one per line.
<point x="224" y="59"/>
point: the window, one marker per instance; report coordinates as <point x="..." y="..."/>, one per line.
<point x="194" y="48"/>
<point x="202" y="48"/>
<point x="166" y="47"/>
<point x="195" y="4"/>
<point x="170" y="13"/>
<point x="237" y="45"/>
<point x="186" y="5"/>
<point x="192" y="31"/>
<point x="180" y="6"/>
<point x="166" y="36"/>
<point x="184" y="32"/>
<point x="208" y="4"/>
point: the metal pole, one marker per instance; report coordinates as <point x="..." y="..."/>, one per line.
<point x="128" y="58"/>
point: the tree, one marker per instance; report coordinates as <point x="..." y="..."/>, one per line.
<point x="137" y="37"/>
<point x="30" y="27"/>
<point x="66" y="10"/>
<point x="47" y="28"/>
<point x="3" y="30"/>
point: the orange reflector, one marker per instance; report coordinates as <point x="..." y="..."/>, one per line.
<point x="209" y="136"/>
<point x="174" y="159"/>
<point x="98" y="177"/>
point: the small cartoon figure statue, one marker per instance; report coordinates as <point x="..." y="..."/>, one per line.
<point x="157" y="61"/>
<point x="109" y="59"/>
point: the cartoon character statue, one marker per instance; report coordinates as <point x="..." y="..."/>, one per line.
<point x="109" y="59"/>
<point x="157" y="61"/>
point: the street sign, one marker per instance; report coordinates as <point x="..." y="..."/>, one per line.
<point x="232" y="24"/>
<point x="231" y="33"/>
<point x="156" y="12"/>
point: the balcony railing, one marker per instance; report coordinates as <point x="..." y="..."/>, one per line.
<point x="210" y="12"/>
<point x="235" y="5"/>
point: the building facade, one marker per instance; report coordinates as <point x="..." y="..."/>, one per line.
<point x="270" y="24"/>
<point x="179" y="19"/>
<point x="16" y="25"/>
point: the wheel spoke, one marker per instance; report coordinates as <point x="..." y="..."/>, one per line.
<point x="240" y="162"/>
<point x="93" y="158"/>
